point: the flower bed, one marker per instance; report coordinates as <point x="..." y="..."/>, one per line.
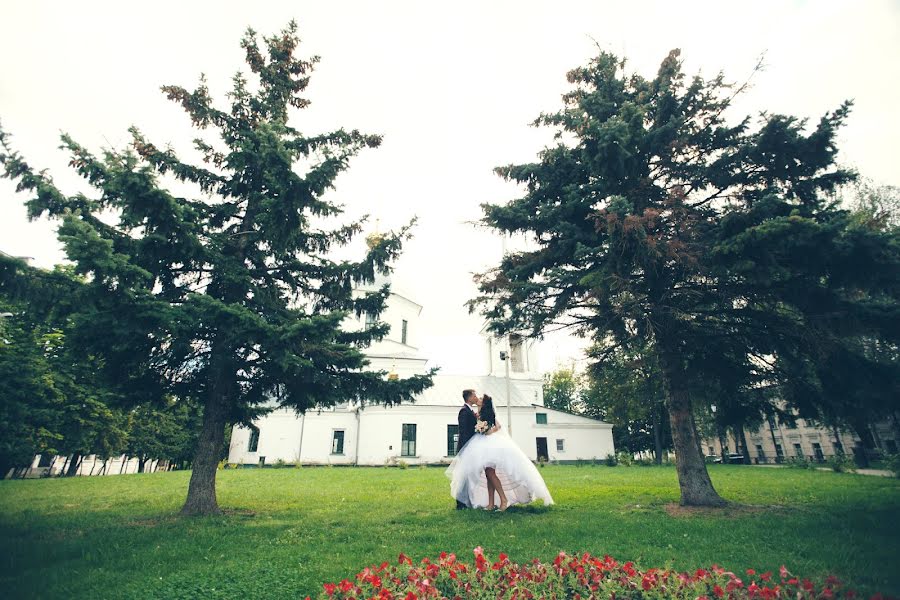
<point x="569" y="576"/>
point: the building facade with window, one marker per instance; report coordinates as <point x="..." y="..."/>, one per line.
<point x="426" y="431"/>
<point x="776" y="442"/>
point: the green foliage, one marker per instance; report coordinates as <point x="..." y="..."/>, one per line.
<point x="659" y="227"/>
<point x="167" y="432"/>
<point x="626" y="389"/>
<point x="797" y="462"/>
<point x="60" y="537"/>
<point x="611" y="460"/>
<point x="841" y="463"/>
<point x="892" y="464"/>
<point x="562" y="390"/>
<point x="226" y="292"/>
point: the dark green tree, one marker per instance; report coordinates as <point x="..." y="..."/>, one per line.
<point x="159" y="433"/>
<point x="716" y="244"/>
<point x="29" y="403"/>
<point x="626" y="389"/>
<point x="225" y="292"/>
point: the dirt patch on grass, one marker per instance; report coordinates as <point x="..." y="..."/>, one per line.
<point x="731" y="510"/>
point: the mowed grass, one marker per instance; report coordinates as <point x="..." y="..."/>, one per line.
<point x="288" y="530"/>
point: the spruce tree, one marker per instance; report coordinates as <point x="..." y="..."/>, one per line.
<point x="657" y="222"/>
<point x="228" y="294"/>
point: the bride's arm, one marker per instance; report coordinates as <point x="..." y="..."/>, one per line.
<point x="494" y="429"/>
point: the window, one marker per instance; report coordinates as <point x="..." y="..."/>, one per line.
<point x="839" y="447"/>
<point x="541" y="418"/>
<point x="516" y="354"/>
<point x="779" y="453"/>
<point x="337" y="442"/>
<point x="712" y="451"/>
<point x="404" y="328"/>
<point x="560" y="445"/>
<point x="408" y="440"/>
<point x="254" y="439"/>
<point x="45" y="461"/>
<point x="771" y="421"/>
<point x="759" y="452"/>
<point x="798" y="450"/>
<point x="452" y="439"/>
<point x="370" y="321"/>
<point x="817" y="450"/>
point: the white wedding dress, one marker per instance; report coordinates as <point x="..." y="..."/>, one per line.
<point x="522" y="483"/>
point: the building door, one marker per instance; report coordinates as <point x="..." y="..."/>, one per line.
<point x="542" y="449"/>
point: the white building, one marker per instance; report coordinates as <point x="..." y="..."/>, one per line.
<point x="423" y="432"/>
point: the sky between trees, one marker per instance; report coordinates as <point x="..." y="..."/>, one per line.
<point x="452" y="87"/>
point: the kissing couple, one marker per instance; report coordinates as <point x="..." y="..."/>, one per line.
<point x="489" y="462"/>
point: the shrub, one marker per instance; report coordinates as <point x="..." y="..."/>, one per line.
<point x="610" y="460"/>
<point x="279" y="464"/>
<point x="402" y="464"/>
<point x="892" y="463"/>
<point x="798" y="463"/>
<point x="841" y="463"/>
<point x="569" y="576"/>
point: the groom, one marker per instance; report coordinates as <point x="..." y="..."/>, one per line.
<point x="468" y="415"/>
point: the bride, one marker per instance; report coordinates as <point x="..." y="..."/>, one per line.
<point x="492" y="462"/>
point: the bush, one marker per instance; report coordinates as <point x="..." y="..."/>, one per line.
<point x="892" y="463"/>
<point x="279" y="464"/>
<point x="841" y="463"/>
<point x="798" y="463"/>
<point x="610" y="460"/>
<point x="568" y="576"/>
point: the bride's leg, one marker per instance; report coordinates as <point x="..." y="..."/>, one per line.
<point x="490" y="475"/>
<point x="499" y="487"/>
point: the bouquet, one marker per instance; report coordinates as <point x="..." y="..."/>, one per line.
<point x="482" y="426"/>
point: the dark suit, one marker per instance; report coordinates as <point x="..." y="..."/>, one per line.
<point x="466" y="420"/>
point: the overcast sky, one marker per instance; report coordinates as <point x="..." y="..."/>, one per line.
<point x="451" y="86"/>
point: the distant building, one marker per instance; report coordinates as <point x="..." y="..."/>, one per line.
<point x="776" y="442"/>
<point x="426" y="431"/>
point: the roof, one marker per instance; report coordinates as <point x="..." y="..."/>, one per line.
<point x="566" y="412"/>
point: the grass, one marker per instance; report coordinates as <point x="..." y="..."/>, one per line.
<point x="291" y="529"/>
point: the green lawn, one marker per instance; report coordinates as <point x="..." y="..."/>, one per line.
<point x="291" y="529"/>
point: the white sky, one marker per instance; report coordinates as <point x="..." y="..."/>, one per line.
<point x="450" y="85"/>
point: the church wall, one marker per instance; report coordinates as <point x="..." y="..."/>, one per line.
<point x="381" y="431"/>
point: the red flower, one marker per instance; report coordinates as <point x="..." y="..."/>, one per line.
<point x="784" y="572"/>
<point x="751" y="572"/>
<point x="767" y="576"/>
<point x="404" y="559"/>
<point x="410" y="596"/>
<point x="719" y="592"/>
<point x="329" y="588"/>
<point x="346" y="586"/>
<point x="479" y="551"/>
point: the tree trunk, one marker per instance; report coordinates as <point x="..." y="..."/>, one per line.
<point x="124" y="463"/>
<point x="746" y="448"/>
<point x="73" y="465"/>
<point x="657" y="433"/>
<point x="142" y="461"/>
<point x="201" y="498"/>
<point x="693" y="478"/>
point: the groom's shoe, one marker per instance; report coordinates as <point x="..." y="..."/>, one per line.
<point x="460" y="505"/>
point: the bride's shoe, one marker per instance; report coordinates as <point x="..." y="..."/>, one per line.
<point x="503" y="506"/>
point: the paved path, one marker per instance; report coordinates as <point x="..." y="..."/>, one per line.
<point x="876" y="472"/>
